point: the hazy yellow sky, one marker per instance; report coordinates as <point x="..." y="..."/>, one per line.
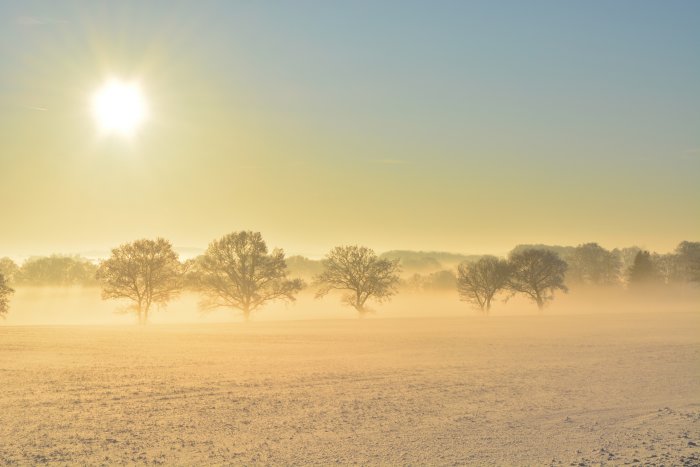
<point x="466" y="127"/>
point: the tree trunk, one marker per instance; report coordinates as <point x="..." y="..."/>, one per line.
<point x="361" y="310"/>
<point x="540" y="302"/>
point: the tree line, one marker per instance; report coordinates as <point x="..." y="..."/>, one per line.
<point x="590" y="264"/>
<point x="238" y="271"/>
<point x="53" y="270"/>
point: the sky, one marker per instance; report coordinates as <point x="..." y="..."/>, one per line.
<point x="453" y="126"/>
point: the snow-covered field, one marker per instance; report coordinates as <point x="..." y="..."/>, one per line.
<point x="581" y="389"/>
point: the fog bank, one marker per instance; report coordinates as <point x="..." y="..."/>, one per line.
<point x="83" y="305"/>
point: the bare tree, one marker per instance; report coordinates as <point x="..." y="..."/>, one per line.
<point x="5" y="292"/>
<point x="237" y="271"/>
<point x="479" y="282"/>
<point x="359" y="271"/>
<point x="537" y="274"/>
<point x="146" y="272"/>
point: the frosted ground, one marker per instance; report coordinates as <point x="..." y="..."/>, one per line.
<point x="561" y="390"/>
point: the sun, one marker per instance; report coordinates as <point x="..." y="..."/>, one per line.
<point x="119" y="107"/>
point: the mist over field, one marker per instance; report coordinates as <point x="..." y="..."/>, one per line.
<point x="83" y="305"/>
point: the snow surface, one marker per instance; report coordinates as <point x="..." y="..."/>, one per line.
<point x="560" y="390"/>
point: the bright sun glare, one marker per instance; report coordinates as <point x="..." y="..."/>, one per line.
<point x="119" y="107"/>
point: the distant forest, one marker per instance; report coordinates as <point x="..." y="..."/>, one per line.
<point x="435" y="270"/>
